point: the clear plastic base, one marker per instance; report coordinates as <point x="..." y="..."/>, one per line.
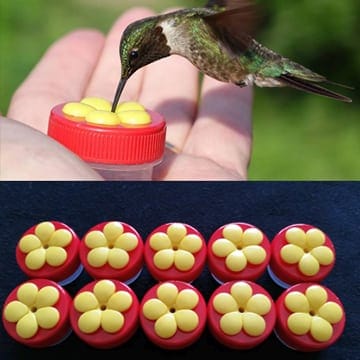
<point x="131" y="280"/>
<point x="125" y="172"/>
<point x="72" y="277"/>
<point x="279" y="282"/>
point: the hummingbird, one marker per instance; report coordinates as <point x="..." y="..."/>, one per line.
<point x="218" y="39"/>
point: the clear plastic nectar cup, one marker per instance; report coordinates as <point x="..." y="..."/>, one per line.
<point x="125" y="145"/>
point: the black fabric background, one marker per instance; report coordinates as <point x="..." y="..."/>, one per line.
<point x="334" y="207"/>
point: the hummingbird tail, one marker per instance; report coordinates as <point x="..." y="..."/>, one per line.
<point x="311" y="87"/>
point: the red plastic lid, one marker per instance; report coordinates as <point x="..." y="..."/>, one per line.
<point x="252" y="269"/>
<point x="306" y="340"/>
<point x="43" y="336"/>
<point x="242" y="338"/>
<point x="182" y="336"/>
<point x="117" y="144"/>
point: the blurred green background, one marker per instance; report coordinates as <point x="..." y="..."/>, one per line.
<point x="297" y="136"/>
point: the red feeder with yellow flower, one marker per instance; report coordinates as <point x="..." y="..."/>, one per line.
<point x="238" y="251"/>
<point x="50" y="249"/>
<point x="112" y="250"/>
<point x="301" y="253"/>
<point x="105" y="313"/>
<point x="175" y="251"/>
<point x="310" y="317"/>
<point x="241" y="314"/>
<point x="36" y="313"/>
<point x="173" y="314"/>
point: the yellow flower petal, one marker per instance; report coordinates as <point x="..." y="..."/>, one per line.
<point x="165" y="327"/>
<point x="113" y="230"/>
<point x="35" y="259"/>
<point x="98" y="257"/>
<point x="61" y="237"/>
<point x="47" y="296"/>
<point x="44" y="231"/>
<point x="224" y="303"/>
<point x="95" y="239"/>
<point x="176" y="232"/>
<point x="321" y="330"/>
<point x="187" y="299"/>
<point x="15" y="310"/>
<point x="29" y="243"/>
<point x="316" y="295"/>
<point x="323" y="255"/>
<point x="236" y="261"/>
<point x="253" y="324"/>
<point x="27" y="293"/>
<point x="55" y="256"/>
<point x="153" y="309"/>
<point x="231" y="323"/>
<point x="27" y="326"/>
<point x="127" y="241"/>
<point x="118" y="258"/>
<point x="331" y="311"/>
<point x="183" y="260"/>
<point x="103" y="290"/>
<point x="233" y="232"/>
<point x="47" y="317"/>
<point x="296" y="301"/>
<point x="241" y="292"/>
<point x="308" y="265"/>
<point x="191" y="243"/>
<point x="86" y="301"/>
<point x="314" y="238"/>
<point x="120" y="301"/>
<point x="291" y="253"/>
<point x="164" y="259"/>
<point x="223" y="247"/>
<point x="259" y="304"/>
<point x="167" y="293"/>
<point x="112" y="321"/>
<point x="254" y="254"/>
<point x="90" y="321"/>
<point x="186" y="320"/>
<point x="160" y="241"/>
<point x="252" y="236"/>
<point x="296" y="236"/>
<point x="299" y="323"/>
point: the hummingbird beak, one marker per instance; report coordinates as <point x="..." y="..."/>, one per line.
<point x="119" y="90"/>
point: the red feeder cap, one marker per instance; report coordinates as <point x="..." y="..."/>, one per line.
<point x="310" y="317"/>
<point x="173" y="314"/>
<point x="105" y="313"/>
<point x="50" y="250"/>
<point x="33" y="304"/>
<point x="175" y="251"/>
<point x="238" y="251"/>
<point x="300" y="253"/>
<point x="112" y="250"/>
<point x="118" y="144"/>
<point x="241" y="314"/>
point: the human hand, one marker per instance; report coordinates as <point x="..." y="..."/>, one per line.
<point x="211" y="125"/>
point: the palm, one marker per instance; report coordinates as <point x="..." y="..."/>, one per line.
<point x="213" y="131"/>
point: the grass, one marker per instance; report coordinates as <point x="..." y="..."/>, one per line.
<point x="296" y="136"/>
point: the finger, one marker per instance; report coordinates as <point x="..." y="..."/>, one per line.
<point x="61" y="75"/>
<point x="223" y="129"/>
<point x="107" y="73"/>
<point x="171" y="88"/>
<point x="27" y="154"/>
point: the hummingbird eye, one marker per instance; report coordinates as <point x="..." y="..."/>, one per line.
<point x="134" y="54"/>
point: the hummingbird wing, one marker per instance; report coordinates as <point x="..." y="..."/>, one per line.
<point x="235" y="26"/>
<point x="225" y="4"/>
